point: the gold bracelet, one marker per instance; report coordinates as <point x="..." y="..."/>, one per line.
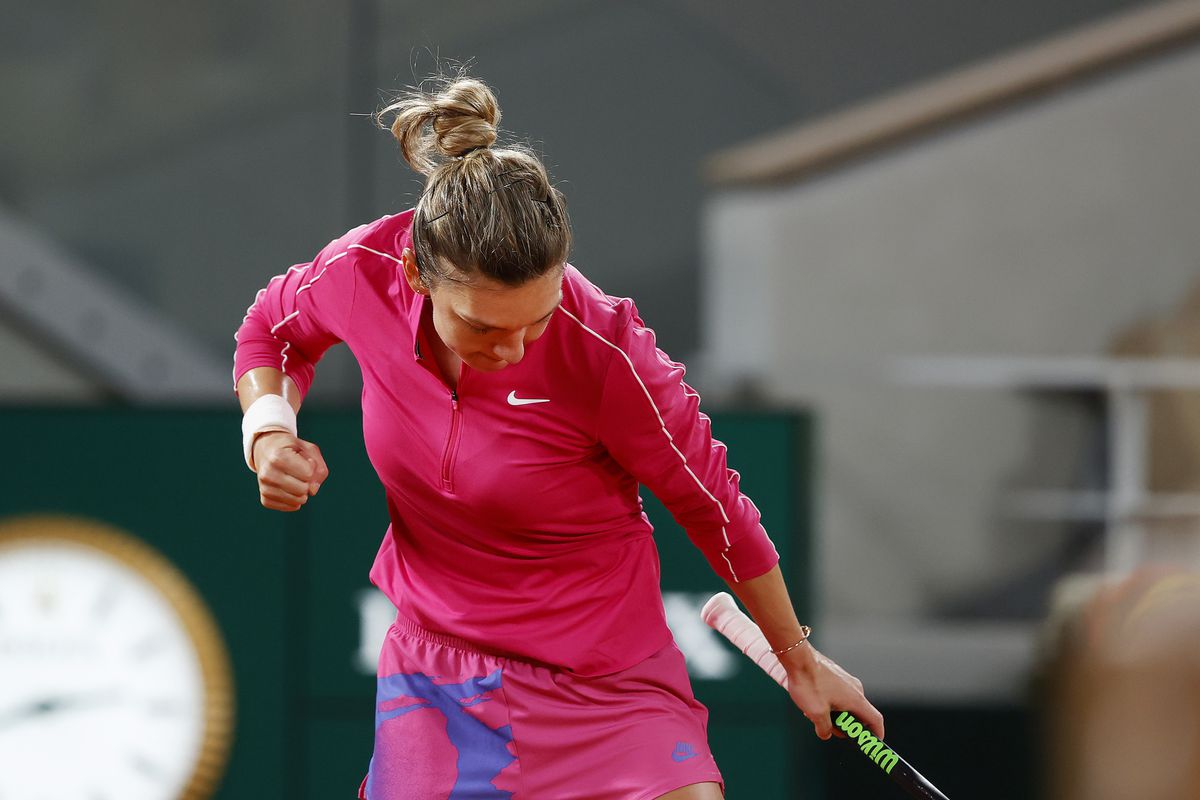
<point x="805" y="631"/>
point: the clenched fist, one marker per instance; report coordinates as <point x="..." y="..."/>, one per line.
<point x="290" y="470"/>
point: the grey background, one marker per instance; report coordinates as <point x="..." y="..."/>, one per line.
<point x="1044" y="230"/>
<point x="190" y="151"/>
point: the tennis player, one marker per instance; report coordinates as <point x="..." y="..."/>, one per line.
<point x="511" y="409"/>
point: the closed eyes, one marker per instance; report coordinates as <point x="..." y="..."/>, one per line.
<point x="481" y="329"/>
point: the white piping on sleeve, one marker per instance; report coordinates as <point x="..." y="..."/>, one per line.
<point x="377" y="252"/>
<point x="670" y="440"/>
<point x="729" y="563"/>
<point x="250" y="307"/>
<point x="262" y="291"/>
<point x="284" y="321"/>
<point x="237" y="341"/>
<point x="314" y="279"/>
<point x="308" y="285"/>
<point x="286" y="344"/>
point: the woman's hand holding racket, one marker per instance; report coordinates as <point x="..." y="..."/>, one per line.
<point x="819" y="687"/>
<point x="816" y="684"/>
<point x="290" y="470"/>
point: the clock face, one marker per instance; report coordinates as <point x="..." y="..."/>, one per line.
<point x="102" y="690"/>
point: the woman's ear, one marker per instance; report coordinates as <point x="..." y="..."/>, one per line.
<point x="408" y="262"/>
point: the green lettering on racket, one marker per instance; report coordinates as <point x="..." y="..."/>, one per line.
<point x="872" y="747"/>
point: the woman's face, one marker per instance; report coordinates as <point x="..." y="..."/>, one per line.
<point x="489" y="324"/>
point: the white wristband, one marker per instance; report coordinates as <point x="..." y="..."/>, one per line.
<point x="268" y="413"/>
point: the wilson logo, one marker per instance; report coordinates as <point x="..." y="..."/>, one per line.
<point x="874" y="748"/>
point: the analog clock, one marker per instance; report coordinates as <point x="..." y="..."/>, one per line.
<point x="114" y="681"/>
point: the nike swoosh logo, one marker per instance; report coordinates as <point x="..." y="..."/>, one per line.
<point x="683" y="754"/>
<point x="513" y="400"/>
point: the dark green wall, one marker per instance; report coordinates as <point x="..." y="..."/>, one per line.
<point x="283" y="587"/>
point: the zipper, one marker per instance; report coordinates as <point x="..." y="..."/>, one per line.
<point x="451" y="443"/>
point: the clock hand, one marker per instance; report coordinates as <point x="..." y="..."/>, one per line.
<point x="96" y="698"/>
<point x="50" y="705"/>
<point x="22" y="713"/>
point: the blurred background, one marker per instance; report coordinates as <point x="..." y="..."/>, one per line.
<point x="933" y="266"/>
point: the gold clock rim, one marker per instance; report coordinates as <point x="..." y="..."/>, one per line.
<point x="198" y="622"/>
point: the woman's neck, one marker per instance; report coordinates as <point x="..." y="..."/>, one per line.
<point x="449" y="364"/>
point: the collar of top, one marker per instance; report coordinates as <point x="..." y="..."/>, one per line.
<point x="404" y="294"/>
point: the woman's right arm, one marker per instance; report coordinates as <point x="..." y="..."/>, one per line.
<point x="287" y="329"/>
<point x="290" y="470"/>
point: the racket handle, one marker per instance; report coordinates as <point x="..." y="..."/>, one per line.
<point x="722" y="614"/>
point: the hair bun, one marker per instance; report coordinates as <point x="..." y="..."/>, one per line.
<point x="485" y="210"/>
<point x="466" y="116"/>
<point x="462" y="117"/>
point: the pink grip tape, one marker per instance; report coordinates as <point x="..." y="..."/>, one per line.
<point x="722" y="615"/>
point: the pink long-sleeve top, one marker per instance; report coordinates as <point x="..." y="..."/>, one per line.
<point x="517" y="526"/>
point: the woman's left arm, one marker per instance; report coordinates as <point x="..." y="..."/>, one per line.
<point x="817" y="684"/>
<point x="651" y="423"/>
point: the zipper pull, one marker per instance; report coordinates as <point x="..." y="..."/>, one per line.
<point x="454" y="397"/>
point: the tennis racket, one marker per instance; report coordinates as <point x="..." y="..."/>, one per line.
<point x="722" y="615"/>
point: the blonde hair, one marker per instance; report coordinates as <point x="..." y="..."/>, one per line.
<point x="485" y="210"/>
